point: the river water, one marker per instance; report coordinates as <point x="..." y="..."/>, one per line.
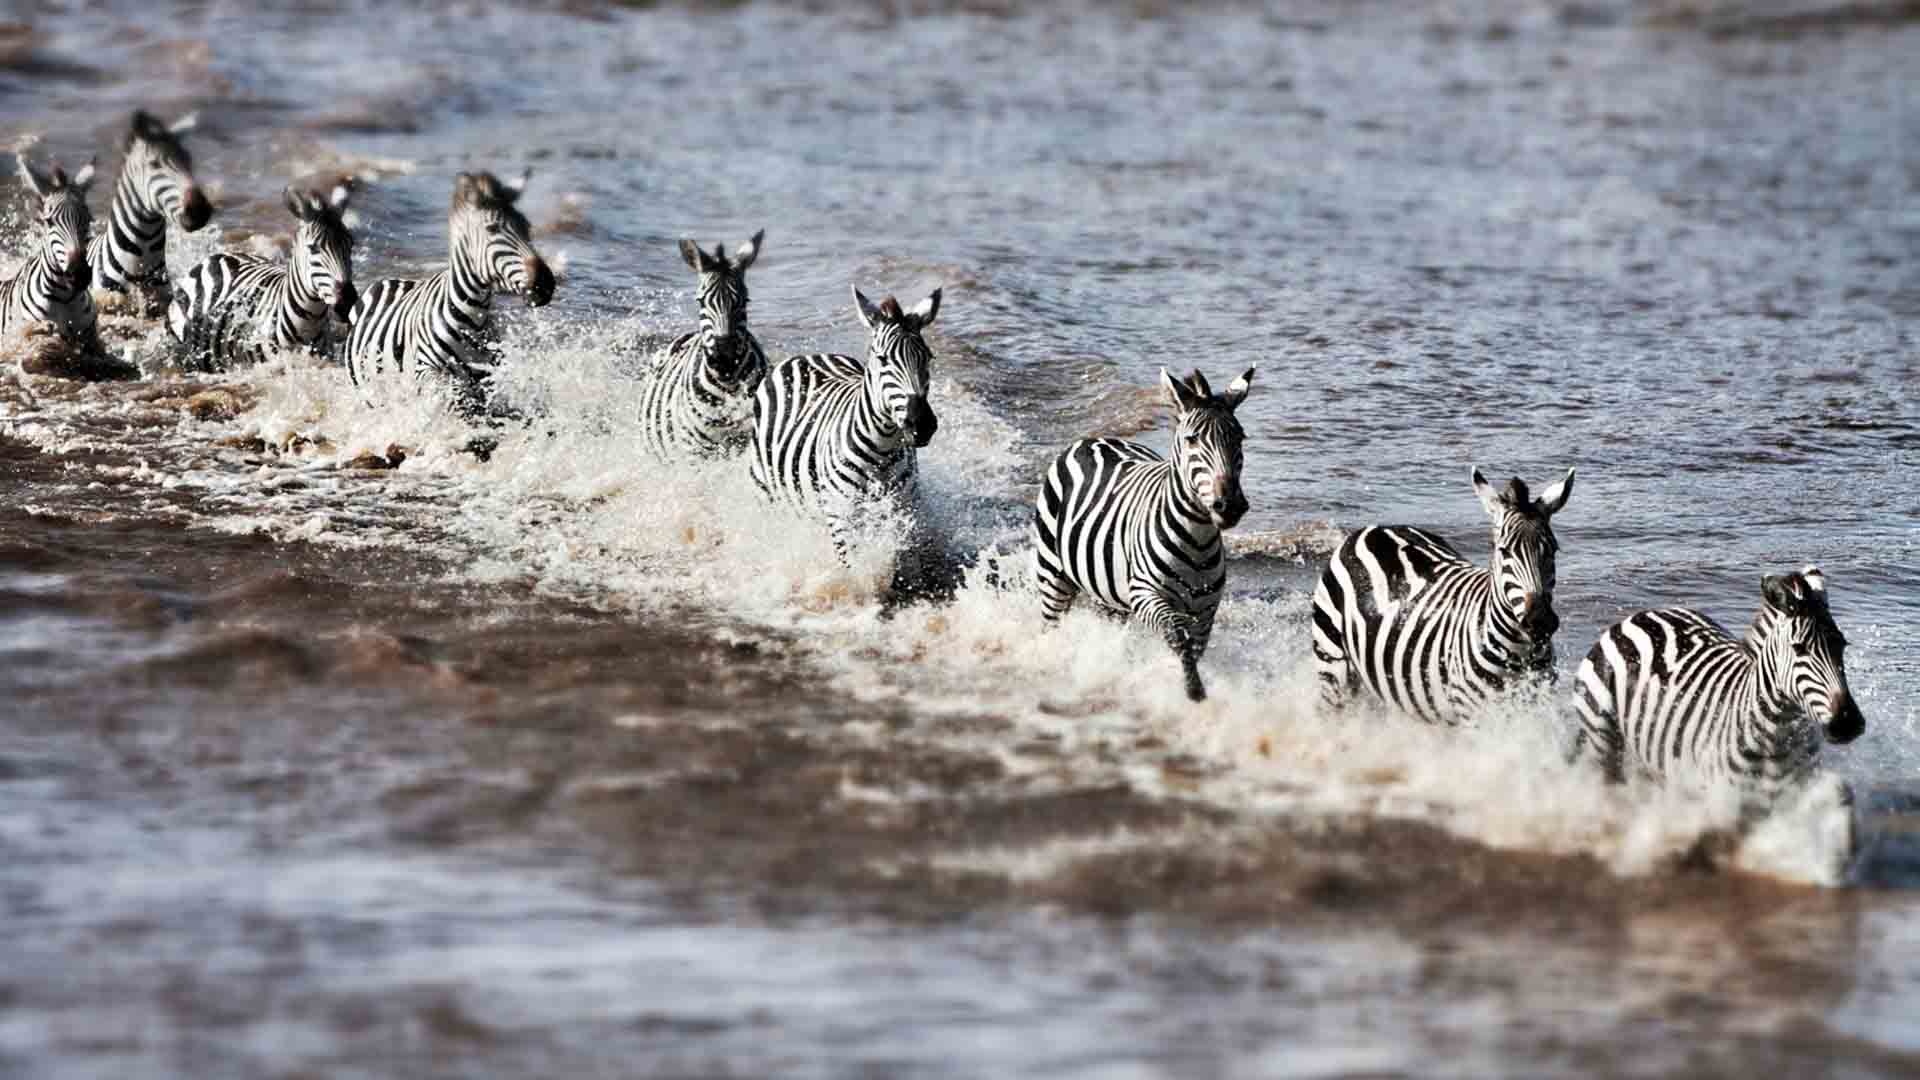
<point x="568" y="763"/>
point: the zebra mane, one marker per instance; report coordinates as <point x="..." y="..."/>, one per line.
<point x="145" y="128"/>
<point x="890" y="307"/>
<point x="483" y="191"/>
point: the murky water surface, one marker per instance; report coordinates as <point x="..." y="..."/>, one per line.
<point x="564" y="763"/>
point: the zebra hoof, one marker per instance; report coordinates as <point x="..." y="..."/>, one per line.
<point x="1196" y="691"/>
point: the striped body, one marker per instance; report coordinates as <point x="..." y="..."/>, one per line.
<point x="443" y="325"/>
<point x="1140" y="533"/>
<point x="155" y="185"/>
<point x="698" y="398"/>
<point x="819" y="441"/>
<point x="51" y="285"/>
<point x="686" y="408"/>
<point x="1399" y="614"/>
<point x="830" y="431"/>
<point x="1670" y="692"/>
<point x="232" y="309"/>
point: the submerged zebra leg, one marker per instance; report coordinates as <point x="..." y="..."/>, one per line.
<point x="1330" y="664"/>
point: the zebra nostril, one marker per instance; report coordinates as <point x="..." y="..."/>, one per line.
<point x="344" y="298"/>
<point x="1217" y="505"/>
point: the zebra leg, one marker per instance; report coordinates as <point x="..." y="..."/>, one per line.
<point x="1176" y="628"/>
<point x="1599" y="727"/>
<point x="1330" y="665"/>
<point x="1057" y="590"/>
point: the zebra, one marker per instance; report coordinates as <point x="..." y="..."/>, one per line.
<point x="442" y="323"/>
<point x="1398" y="613"/>
<point x="1141" y="533"/>
<point x="155" y="184"/>
<point x="1670" y="691"/>
<point x="829" y="430"/>
<point x="51" y="286"/>
<point x="698" y="398"/>
<point x="233" y="308"/>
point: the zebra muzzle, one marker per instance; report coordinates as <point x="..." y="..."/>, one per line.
<point x="920" y="422"/>
<point x="344" y="298"/>
<point x="539" y="283"/>
<point x="1847" y="724"/>
<point x="195" y="210"/>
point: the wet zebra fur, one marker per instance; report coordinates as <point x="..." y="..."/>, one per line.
<point x="1672" y="692"/>
<point x="699" y="398"/>
<point x="830" y="431"/>
<point x="443" y="324"/>
<point x="155" y="186"/>
<point x="231" y="308"/>
<point x="1400" y="616"/>
<point x="51" y="285"/>
<point x="1141" y="533"/>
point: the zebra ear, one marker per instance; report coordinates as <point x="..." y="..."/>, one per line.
<point x="747" y="252"/>
<point x="297" y="203"/>
<point x="868" y="313"/>
<point x="695" y="258"/>
<point x="33" y="178"/>
<point x="1237" y="389"/>
<point x="184" y="124"/>
<point x="144" y="126"/>
<point x="84" y="178"/>
<point x="514" y="188"/>
<point x="1783" y="592"/>
<point x="1489" y="498"/>
<point x="339" y="196"/>
<point x="1555" y="497"/>
<point x="1179" y="394"/>
<point x="924" y="311"/>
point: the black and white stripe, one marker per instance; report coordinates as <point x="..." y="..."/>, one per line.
<point x="830" y="431"/>
<point x="51" y="286"/>
<point x="1399" y="615"/>
<point x="1140" y="533"/>
<point x="231" y="308"/>
<point x="698" y="399"/>
<point x="1672" y="692"/>
<point x="443" y="324"/>
<point x="155" y="186"/>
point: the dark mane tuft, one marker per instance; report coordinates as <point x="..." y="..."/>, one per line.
<point x="891" y="309"/>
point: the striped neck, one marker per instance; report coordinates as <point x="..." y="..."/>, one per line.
<point x="1500" y="642"/>
<point x="1181" y="513"/>
<point x="139" y="229"/>
<point x="470" y="286"/>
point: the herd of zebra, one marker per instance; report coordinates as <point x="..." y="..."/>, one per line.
<point x="1398" y="615"/>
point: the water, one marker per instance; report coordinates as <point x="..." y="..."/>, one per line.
<point x="564" y="764"/>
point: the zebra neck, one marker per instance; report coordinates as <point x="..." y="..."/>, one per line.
<point x="61" y="286"/>
<point x="1500" y="642"/>
<point x="138" y="230"/>
<point x="874" y="423"/>
<point x="1183" y="515"/>
<point x="469" y="289"/>
<point x="296" y="300"/>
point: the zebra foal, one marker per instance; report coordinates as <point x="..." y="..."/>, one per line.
<point x="830" y="430"/>
<point x="698" y="399"/>
<point x="232" y="308"/>
<point x="1141" y="533"/>
<point x="443" y="324"/>
<point x="51" y="286"/>
<point x="155" y="186"/>
<point x="1671" y="691"/>
<point x="1400" y="615"/>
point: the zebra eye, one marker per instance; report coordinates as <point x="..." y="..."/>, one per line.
<point x="1193" y="438"/>
<point x="1800" y="648"/>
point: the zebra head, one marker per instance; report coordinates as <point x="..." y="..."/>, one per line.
<point x="1206" y="444"/>
<point x="1523" y="561"/>
<point x="64" y="216"/>
<point x="898" y="362"/>
<point x="1804" y="651"/>
<point x="322" y="258"/>
<point x="723" y="303"/>
<point x="158" y="173"/>
<point x="492" y="243"/>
